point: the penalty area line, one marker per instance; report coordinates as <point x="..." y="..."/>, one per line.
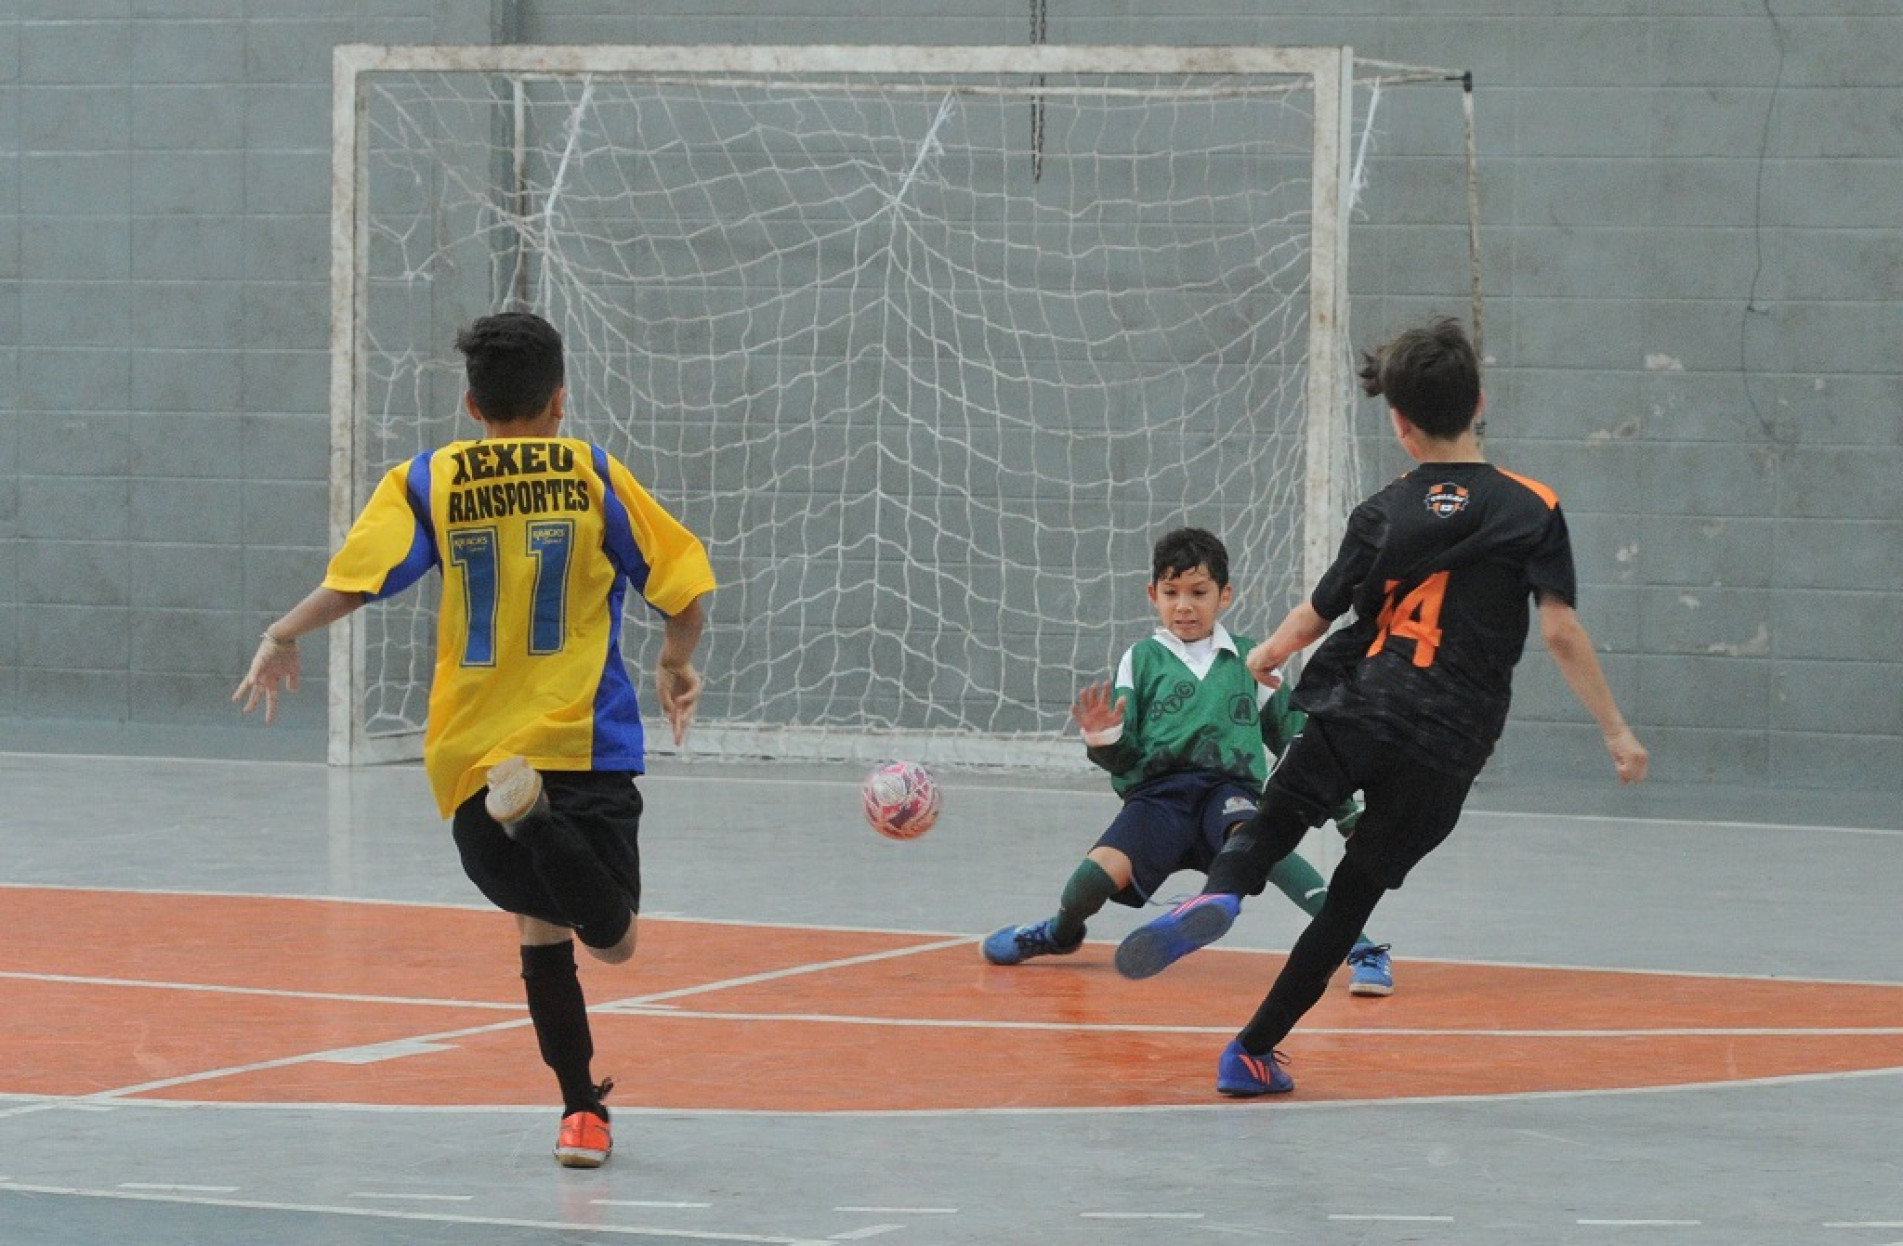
<point x="383" y="1213"/>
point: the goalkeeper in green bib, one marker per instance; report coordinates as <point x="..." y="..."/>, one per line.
<point x="1186" y="734"/>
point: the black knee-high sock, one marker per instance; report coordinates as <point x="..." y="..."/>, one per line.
<point x="1320" y="950"/>
<point x="560" y="1015"/>
<point x="591" y="900"/>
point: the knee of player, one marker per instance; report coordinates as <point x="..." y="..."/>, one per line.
<point x="1115" y="864"/>
<point x="617" y="953"/>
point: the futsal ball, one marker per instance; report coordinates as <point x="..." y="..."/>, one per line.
<point x="902" y="799"/>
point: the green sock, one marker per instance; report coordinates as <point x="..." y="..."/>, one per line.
<point x="1088" y="889"/>
<point x="1301" y="882"/>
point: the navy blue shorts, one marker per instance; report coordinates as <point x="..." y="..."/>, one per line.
<point x="603" y="808"/>
<point x="1175" y="822"/>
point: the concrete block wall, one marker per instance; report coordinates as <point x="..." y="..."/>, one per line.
<point x="1691" y="265"/>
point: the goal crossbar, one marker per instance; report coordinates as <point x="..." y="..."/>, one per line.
<point x="354" y="59"/>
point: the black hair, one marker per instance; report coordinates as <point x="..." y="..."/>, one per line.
<point x="1430" y="374"/>
<point x="1187" y="549"/>
<point x="513" y="363"/>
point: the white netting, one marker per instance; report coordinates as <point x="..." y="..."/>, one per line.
<point x="928" y="364"/>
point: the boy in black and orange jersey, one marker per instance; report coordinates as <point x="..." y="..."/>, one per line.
<point x="1406" y="702"/>
<point x="535" y="734"/>
<point x="1187" y="735"/>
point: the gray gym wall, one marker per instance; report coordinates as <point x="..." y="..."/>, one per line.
<point x="1692" y="267"/>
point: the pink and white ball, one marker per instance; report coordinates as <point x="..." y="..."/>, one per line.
<point x="902" y="799"/>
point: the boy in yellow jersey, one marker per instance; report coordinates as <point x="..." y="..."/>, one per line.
<point x="534" y="735"/>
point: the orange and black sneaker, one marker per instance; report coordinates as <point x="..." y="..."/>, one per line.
<point x="585" y="1141"/>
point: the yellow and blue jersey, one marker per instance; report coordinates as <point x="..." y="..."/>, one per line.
<point x="538" y="541"/>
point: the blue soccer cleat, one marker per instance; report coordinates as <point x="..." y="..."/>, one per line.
<point x="1016" y="944"/>
<point x="1243" y="1076"/>
<point x="1196" y="922"/>
<point x="1373" y="971"/>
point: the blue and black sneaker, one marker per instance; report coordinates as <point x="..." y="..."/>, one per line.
<point x="1196" y="922"/>
<point x="1016" y="944"/>
<point x="1373" y="971"/>
<point x="1243" y="1076"/>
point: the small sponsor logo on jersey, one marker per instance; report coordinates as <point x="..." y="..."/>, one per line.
<point x="1238" y="805"/>
<point x="1178" y="697"/>
<point x="1447" y="500"/>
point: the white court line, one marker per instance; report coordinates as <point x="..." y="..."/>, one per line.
<point x="1697" y="824"/>
<point x="871" y="1230"/>
<point x="202" y="988"/>
<point x="638" y="1003"/>
<point x="188" y="893"/>
<point x="951" y="938"/>
<point x="647" y="1202"/>
<point x="1139" y="1215"/>
<point x="419" y="1042"/>
<point x="1779" y="979"/>
<point x="1641" y="1224"/>
<point x="900" y="1211"/>
<point x="1082" y="778"/>
<point x="645" y="1005"/>
<point x="630" y="1007"/>
<point x="192" y="893"/>
<point x="334" y="1055"/>
<point x="1369" y="1032"/>
<point x="1358" y="1218"/>
<point x="48" y="1103"/>
<point x="776" y="975"/>
<point x="380" y="1213"/>
<point x="411" y="1198"/>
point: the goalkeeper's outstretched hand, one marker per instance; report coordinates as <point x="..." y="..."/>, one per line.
<point x="1095" y="711"/>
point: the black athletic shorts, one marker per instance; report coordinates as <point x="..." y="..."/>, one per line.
<point x="1410" y="808"/>
<point x="602" y="807"/>
<point x="1175" y="822"/>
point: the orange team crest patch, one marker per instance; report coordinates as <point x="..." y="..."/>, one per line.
<point x="1447" y="500"/>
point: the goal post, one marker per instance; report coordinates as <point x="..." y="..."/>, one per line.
<point x="927" y="343"/>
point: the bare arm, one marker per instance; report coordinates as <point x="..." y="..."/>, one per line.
<point x="1302" y="627"/>
<point x="678" y="681"/>
<point x="1571" y="647"/>
<point x="276" y="660"/>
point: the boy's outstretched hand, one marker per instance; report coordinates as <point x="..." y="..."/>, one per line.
<point x="1095" y="711"/>
<point x="275" y="662"/>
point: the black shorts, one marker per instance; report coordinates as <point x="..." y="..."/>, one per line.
<point x="603" y="808"/>
<point x="1175" y="822"/>
<point x="1410" y="808"/>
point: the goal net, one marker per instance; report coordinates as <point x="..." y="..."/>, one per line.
<point x="927" y="344"/>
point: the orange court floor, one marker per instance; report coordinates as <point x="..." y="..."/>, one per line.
<point x="248" y="1000"/>
<point x="317" y="1010"/>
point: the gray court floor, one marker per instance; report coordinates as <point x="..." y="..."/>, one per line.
<point x="1753" y="884"/>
